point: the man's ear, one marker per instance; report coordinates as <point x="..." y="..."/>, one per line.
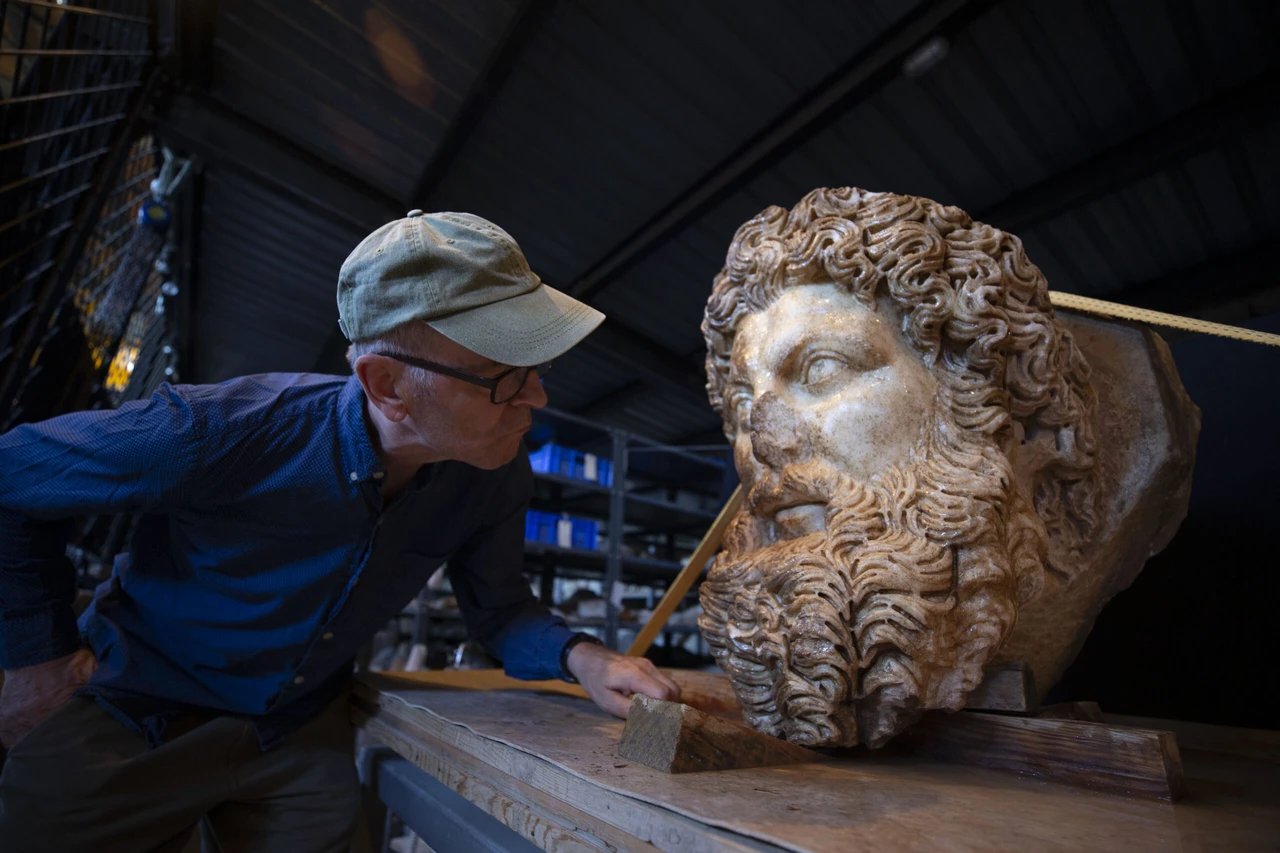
<point x="378" y="376"/>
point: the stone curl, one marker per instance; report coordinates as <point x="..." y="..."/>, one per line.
<point x="968" y="300"/>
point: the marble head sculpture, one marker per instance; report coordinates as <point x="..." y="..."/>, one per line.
<point x="912" y="427"/>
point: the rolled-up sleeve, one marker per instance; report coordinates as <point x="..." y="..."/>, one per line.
<point x="129" y="459"/>
<point x="500" y="610"/>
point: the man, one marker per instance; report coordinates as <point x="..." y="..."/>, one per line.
<point x="287" y="518"/>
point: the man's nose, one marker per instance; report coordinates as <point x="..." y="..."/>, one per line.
<point x="531" y="393"/>
<point x="776" y="433"/>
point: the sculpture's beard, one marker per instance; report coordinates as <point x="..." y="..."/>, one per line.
<point x="845" y="636"/>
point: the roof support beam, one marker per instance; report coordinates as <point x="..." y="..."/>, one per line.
<point x="607" y="406"/>
<point x="657" y="367"/>
<point x="525" y="23"/>
<point x="1225" y="116"/>
<point x="850" y="84"/>
<point x="222" y="137"/>
<point x="1204" y="289"/>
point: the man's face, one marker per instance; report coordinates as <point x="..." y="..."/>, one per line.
<point x="821" y="382"/>
<point x="455" y="418"/>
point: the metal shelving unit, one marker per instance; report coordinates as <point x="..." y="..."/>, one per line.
<point x="662" y="499"/>
<point x="660" y="502"/>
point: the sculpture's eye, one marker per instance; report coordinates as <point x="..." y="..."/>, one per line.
<point x="820" y="367"/>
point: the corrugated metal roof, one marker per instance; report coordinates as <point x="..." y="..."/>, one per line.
<point x="614" y="110"/>
<point x="372" y="86"/>
<point x="962" y="137"/>
<point x="266" y="294"/>
<point x="617" y="108"/>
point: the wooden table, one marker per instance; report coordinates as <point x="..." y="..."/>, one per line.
<point x="547" y="766"/>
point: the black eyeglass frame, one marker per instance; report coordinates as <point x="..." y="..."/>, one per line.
<point x="482" y="381"/>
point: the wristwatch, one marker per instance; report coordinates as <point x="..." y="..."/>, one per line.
<point x="568" y="647"/>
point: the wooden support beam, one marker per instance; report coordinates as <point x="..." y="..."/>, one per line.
<point x="675" y="738"/>
<point x="1138" y="762"/>
<point x="675" y="593"/>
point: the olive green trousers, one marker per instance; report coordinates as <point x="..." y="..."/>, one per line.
<point x="82" y="781"/>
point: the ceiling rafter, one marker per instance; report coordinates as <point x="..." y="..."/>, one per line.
<point x="852" y="83"/>
<point x="1219" y="120"/>
<point x="525" y="24"/>
<point x="1222" y="118"/>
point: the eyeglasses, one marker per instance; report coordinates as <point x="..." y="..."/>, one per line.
<point x="502" y="387"/>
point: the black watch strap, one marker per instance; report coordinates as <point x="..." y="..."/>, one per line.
<point x="568" y="647"/>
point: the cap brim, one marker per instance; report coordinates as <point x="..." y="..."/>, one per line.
<point x="524" y="330"/>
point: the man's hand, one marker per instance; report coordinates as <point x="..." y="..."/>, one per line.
<point x="610" y="678"/>
<point x="34" y="692"/>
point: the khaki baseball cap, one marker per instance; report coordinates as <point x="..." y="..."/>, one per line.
<point x="467" y="279"/>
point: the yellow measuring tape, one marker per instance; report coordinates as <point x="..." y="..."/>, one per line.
<point x="1158" y="318"/>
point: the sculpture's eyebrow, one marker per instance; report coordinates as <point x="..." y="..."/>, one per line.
<point x="836" y="338"/>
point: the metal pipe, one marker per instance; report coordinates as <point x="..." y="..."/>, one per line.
<point x="53" y="170"/>
<point x="49" y="205"/>
<point x="39" y="51"/>
<point x="53" y="232"/>
<point x="145" y="176"/>
<point x="66" y="93"/>
<point x="27" y="279"/>
<point x="83" y="10"/>
<point x="61" y="131"/>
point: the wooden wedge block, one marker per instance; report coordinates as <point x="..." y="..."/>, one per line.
<point x="675" y="738"/>
<point x="1141" y="762"/>
<point x="1006" y="687"/>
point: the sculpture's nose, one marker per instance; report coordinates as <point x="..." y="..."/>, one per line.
<point x="776" y="438"/>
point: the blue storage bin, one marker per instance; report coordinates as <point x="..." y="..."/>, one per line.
<point x="543" y="527"/>
<point x="585" y="533"/>
<point x="540" y="459"/>
<point x="565" y="461"/>
<point x="540" y="527"/>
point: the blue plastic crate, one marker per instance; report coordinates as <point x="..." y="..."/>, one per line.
<point x="585" y="533"/>
<point x="540" y="459"/>
<point x="551" y="458"/>
<point x="540" y="526"/>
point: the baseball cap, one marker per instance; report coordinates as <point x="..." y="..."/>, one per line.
<point x="467" y="279"/>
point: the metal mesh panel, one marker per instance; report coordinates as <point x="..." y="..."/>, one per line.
<point x="67" y="73"/>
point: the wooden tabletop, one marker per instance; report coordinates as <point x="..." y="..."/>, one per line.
<point x="548" y="767"/>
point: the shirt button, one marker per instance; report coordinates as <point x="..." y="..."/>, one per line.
<point x="299" y="680"/>
<point x="378" y="475"/>
<point x="354" y="476"/>
<point x="327" y="635"/>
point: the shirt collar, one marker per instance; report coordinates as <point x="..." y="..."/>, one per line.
<point x="360" y="461"/>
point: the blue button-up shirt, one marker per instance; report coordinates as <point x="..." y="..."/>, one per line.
<point x="266" y="555"/>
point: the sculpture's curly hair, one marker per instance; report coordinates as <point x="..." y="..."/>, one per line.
<point x="970" y="302"/>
